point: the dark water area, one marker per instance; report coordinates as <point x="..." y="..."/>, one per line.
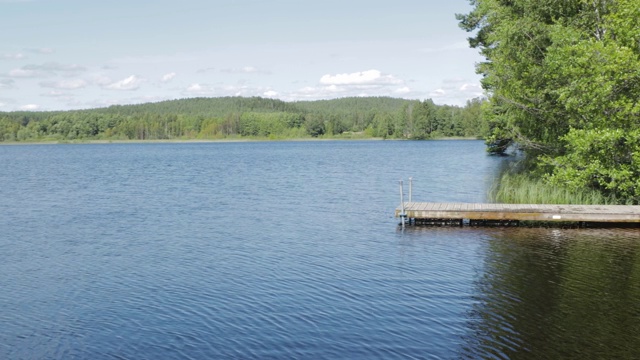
<point x="290" y="250"/>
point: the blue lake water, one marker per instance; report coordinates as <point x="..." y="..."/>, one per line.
<point x="290" y="250"/>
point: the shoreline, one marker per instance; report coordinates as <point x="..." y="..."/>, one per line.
<point x="195" y="141"/>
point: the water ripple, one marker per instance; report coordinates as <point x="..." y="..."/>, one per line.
<point x="288" y="250"/>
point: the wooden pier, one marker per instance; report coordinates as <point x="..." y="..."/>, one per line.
<point x="511" y="214"/>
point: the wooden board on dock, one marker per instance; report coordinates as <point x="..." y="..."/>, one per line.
<point x="521" y="212"/>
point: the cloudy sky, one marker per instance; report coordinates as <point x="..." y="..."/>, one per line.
<point x="73" y="54"/>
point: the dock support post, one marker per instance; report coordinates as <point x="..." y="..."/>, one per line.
<point x="410" y="188"/>
<point x="403" y="215"/>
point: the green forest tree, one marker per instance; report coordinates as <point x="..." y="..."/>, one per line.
<point x="563" y="79"/>
<point x="218" y="118"/>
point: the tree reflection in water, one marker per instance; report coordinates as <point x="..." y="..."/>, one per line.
<point x="557" y="293"/>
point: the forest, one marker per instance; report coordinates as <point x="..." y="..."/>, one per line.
<point x="255" y="117"/>
<point x="563" y="86"/>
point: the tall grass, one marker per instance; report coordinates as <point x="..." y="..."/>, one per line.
<point x="523" y="189"/>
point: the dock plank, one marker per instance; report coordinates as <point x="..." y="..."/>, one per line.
<point x="528" y="212"/>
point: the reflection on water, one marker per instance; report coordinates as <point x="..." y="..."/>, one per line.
<point x="290" y="250"/>
<point x="552" y="293"/>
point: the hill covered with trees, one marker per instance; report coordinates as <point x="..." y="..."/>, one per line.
<point x="255" y="117"/>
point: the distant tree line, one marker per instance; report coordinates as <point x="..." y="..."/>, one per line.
<point x="229" y="117"/>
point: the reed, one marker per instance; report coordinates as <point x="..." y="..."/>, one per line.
<point x="515" y="188"/>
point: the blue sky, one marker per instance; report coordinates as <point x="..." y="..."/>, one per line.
<point x="72" y="54"/>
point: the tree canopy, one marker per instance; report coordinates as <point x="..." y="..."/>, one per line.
<point x="563" y="80"/>
<point x="218" y="118"/>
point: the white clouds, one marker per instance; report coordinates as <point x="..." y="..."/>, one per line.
<point x="204" y="70"/>
<point x="14" y="56"/>
<point x="403" y="90"/>
<point x="313" y="62"/>
<point x="376" y="83"/>
<point x="471" y="88"/>
<point x="245" y="70"/>
<point x="195" y="88"/>
<point x="168" y="77"/>
<point x="199" y="89"/>
<point x="56" y="94"/>
<point x="369" y="77"/>
<point x="70" y="84"/>
<point x="100" y="80"/>
<point x="70" y="76"/>
<point x="40" y="50"/>
<point x="130" y="83"/>
<point x="364" y="83"/>
<point x="54" y="67"/>
<point x="456" y="92"/>
<point x="30" y="107"/>
<point x="319" y="92"/>
<point x="45" y="70"/>
<point x="270" y="94"/>
<point x="438" y="93"/>
<point x="238" y="90"/>
<point x="23" y="73"/>
<point x="151" y="60"/>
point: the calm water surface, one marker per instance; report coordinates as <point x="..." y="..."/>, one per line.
<point x="290" y="250"/>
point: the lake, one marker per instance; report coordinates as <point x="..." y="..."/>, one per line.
<point x="290" y="250"/>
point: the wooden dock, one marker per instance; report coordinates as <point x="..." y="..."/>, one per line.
<point x="508" y="214"/>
